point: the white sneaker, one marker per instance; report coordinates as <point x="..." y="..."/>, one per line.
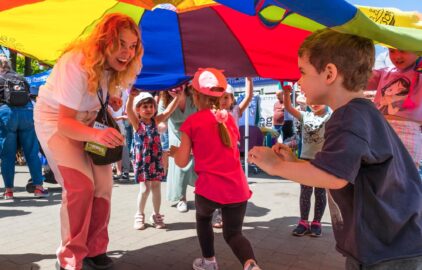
<point x="201" y="264"/>
<point x="139" y="223"/>
<point x="253" y="266"/>
<point x="182" y="207"/>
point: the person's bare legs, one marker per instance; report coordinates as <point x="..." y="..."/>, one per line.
<point x="156" y="218"/>
<point x="144" y="190"/>
<point x="119" y="167"/>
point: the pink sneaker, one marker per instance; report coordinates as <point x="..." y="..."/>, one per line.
<point x="157" y="221"/>
<point x="41" y="193"/>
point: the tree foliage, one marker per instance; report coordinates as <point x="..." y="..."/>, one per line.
<point x="35" y="66"/>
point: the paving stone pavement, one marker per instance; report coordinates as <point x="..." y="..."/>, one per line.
<point x="29" y="231"/>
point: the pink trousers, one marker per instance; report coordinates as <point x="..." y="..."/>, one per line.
<point x="85" y="209"/>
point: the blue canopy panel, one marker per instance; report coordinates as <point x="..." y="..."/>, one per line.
<point x="247" y="7"/>
<point x="161" y="36"/>
<point x="156" y="82"/>
<point x="327" y="12"/>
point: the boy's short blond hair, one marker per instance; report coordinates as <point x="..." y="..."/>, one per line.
<point x="353" y="56"/>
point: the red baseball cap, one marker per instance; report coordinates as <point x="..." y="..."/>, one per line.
<point x="205" y="79"/>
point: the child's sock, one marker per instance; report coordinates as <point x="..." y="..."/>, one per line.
<point x="210" y="261"/>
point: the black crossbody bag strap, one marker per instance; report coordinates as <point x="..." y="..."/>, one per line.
<point x="103" y="103"/>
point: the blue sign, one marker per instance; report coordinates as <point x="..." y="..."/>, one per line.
<point x="256" y="81"/>
<point x="35" y="81"/>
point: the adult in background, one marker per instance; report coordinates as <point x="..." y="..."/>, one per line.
<point x="178" y="178"/>
<point x="17" y="126"/>
<point x="89" y="71"/>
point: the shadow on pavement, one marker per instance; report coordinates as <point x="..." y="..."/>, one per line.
<point x="28" y="199"/>
<point x="12" y="213"/>
<point x="23" y="261"/>
<point x="274" y="246"/>
<point x="256" y="211"/>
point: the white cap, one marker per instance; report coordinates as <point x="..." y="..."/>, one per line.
<point x="229" y="89"/>
<point x="142" y="96"/>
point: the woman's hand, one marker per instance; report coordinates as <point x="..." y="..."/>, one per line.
<point x="115" y="103"/>
<point x="172" y="151"/>
<point x="108" y="137"/>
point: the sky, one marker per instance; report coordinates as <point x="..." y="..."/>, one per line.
<point x="405" y="5"/>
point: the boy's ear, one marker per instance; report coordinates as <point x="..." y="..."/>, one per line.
<point x="330" y="73"/>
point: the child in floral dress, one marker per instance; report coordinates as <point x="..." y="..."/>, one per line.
<point x="149" y="171"/>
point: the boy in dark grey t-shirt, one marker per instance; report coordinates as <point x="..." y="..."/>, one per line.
<point x="375" y="190"/>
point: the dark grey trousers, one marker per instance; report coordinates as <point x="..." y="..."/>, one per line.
<point x="414" y="263"/>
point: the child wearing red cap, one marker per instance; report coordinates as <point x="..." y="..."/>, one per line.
<point x="212" y="135"/>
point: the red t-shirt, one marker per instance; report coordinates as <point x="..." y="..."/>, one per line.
<point x="220" y="175"/>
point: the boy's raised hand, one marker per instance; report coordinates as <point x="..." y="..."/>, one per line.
<point x="287" y="89"/>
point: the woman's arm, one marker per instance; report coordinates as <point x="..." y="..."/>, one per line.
<point x="133" y="119"/>
<point x="72" y="128"/>
<point x="182" y="153"/>
<point x="248" y="95"/>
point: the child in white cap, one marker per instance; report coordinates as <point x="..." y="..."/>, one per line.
<point x="212" y="135"/>
<point x="149" y="172"/>
<point x="228" y="102"/>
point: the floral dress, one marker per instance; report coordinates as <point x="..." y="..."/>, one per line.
<point x="148" y="153"/>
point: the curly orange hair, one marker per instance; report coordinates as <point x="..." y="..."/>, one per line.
<point x="103" y="41"/>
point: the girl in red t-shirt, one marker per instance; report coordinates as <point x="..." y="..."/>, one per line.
<point x="212" y="135"/>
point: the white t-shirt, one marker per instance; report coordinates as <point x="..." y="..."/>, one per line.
<point x="236" y="114"/>
<point x="67" y="85"/>
<point x="313" y="129"/>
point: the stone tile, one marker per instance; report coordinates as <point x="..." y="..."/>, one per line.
<point x="31" y="229"/>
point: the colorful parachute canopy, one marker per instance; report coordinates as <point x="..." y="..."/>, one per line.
<point x="384" y="25"/>
<point x="202" y="33"/>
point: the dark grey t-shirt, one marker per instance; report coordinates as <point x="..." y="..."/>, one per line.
<point x="377" y="216"/>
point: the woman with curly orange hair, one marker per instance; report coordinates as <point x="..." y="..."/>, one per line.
<point x="90" y="70"/>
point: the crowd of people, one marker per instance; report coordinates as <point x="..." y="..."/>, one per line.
<point x="189" y="136"/>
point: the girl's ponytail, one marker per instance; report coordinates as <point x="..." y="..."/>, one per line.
<point x="221" y="117"/>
